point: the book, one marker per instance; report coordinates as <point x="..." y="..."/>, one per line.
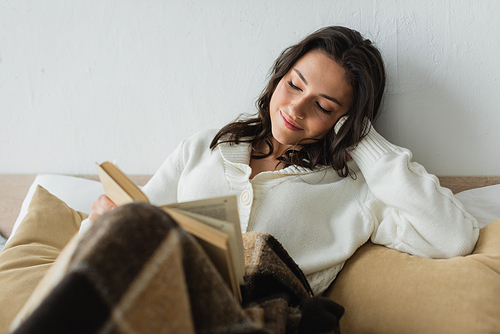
<point x="118" y="186"/>
<point x="214" y="222"/>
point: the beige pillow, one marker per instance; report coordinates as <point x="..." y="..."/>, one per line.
<point x="46" y="229"/>
<point x="386" y="291"/>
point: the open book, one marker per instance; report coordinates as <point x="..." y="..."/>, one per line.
<point x="214" y="222"/>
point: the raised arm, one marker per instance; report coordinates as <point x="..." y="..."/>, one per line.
<point x="411" y="211"/>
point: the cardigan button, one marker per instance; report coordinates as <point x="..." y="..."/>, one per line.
<point x="246" y="197"/>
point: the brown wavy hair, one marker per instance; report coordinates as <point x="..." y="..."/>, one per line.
<point x="365" y="72"/>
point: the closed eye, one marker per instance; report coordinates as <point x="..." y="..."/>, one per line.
<point x="290" y="83"/>
<point x="323" y="110"/>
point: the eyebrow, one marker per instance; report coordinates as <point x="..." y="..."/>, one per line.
<point x="322" y="95"/>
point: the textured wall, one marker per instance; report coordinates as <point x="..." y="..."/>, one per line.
<point x="95" y="80"/>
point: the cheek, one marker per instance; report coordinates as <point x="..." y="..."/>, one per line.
<point x="320" y="126"/>
<point x="280" y="95"/>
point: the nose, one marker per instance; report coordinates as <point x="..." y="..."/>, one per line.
<point x="298" y="108"/>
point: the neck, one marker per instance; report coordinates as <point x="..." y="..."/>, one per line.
<point x="278" y="150"/>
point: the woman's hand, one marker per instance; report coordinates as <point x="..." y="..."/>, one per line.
<point x="101" y="206"/>
<point x="367" y="125"/>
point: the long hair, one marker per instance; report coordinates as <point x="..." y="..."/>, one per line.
<point x="365" y="73"/>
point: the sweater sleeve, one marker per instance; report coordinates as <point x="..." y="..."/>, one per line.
<point x="162" y="187"/>
<point x="412" y="212"/>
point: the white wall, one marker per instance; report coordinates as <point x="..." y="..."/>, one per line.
<point x="95" y="80"/>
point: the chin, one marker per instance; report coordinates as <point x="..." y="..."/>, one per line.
<point x="284" y="139"/>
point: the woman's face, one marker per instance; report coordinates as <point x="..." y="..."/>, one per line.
<point x="309" y="99"/>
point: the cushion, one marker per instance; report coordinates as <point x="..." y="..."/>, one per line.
<point x="483" y="203"/>
<point x="47" y="227"/>
<point x="386" y="291"/>
<point x="78" y="193"/>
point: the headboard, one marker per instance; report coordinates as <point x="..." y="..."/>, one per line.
<point x="14" y="187"/>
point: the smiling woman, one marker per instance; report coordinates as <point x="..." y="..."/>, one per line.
<point x="308" y="101"/>
<point x="331" y="73"/>
<point x="310" y="170"/>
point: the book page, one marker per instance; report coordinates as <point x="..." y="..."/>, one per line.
<point x="224" y="262"/>
<point x="217" y="243"/>
<point x="235" y="241"/>
<point x="222" y="210"/>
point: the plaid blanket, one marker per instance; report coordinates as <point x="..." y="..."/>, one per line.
<point x="136" y="271"/>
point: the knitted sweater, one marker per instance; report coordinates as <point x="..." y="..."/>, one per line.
<point x="319" y="217"/>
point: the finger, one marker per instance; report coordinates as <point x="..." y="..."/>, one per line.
<point x="101" y="206"/>
<point x="106" y="203"/>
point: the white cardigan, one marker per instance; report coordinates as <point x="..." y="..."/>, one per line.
<point x="319" y="217"/>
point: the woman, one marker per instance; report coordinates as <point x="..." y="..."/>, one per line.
<point x="310" y="169"/>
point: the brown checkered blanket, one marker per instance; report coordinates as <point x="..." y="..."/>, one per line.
<point x="137" y="271"/>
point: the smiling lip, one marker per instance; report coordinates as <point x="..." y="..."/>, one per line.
<point x="288" y="123"/>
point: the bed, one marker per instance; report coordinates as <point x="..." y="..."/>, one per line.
<point x="382" y="290"/>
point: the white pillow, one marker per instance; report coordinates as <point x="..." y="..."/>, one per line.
<point x="77" y="193"/>
<point x="483" y="203"/>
